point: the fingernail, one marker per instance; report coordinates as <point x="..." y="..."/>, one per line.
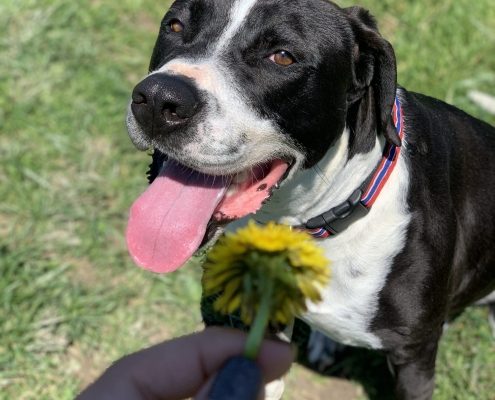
<point x="240" y="379"/>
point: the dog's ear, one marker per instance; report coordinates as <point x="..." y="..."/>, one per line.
<point x="374" y="77"/>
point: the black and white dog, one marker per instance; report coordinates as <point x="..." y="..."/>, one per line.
<point x="291" y="110"/>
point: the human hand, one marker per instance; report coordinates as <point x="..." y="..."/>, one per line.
<point x="184" y="367"/>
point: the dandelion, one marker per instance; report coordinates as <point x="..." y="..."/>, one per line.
<point x="266" y="274"/>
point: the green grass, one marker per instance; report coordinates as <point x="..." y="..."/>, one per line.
<point x="70" y="299"/>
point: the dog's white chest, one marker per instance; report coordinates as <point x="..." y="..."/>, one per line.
<point x="360" y="265"/>
<point x="362" y="257"/>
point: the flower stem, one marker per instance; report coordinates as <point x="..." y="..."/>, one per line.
<point x="258" y="329"/>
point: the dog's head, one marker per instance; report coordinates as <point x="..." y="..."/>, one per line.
<point x="240" y="95"/>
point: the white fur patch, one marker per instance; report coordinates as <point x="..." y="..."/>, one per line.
<point x="490" y="299"/>
<point x="238" y="14"/>
<point x="274" y="390"/>
<point x="232" y="137"/>
<point x="311" y="192"/>
<point x="363" y="254"/>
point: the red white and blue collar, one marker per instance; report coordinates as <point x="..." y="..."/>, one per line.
<point x="359" y="203"/>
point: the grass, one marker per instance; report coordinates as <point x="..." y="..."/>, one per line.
<point x="70" y="299"/>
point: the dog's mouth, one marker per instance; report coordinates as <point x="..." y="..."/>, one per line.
<point x="182" y="208"/>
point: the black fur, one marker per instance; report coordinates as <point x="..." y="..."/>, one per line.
<point x="353" y="67"/>
<point x="345" y="75"/>
<point x="448" y="262"/>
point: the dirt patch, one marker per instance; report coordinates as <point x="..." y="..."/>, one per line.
<point x="83" y="272"/>
<point x="302" y="384"/>
<point x="5" y="225"/>
<point x="85" y="366"/>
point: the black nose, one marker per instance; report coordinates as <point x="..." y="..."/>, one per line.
<point x="162" y="103"/>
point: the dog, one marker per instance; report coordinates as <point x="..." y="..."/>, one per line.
<point x="290" y="111"/>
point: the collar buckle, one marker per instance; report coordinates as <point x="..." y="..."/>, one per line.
<point x="360" y="202"/>
<point x="341" y="217"/>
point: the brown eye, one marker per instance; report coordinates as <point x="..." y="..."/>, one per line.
<point x="283" y="58"/>
<point x="176" y="26"/>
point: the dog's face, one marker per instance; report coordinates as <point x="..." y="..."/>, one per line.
<point x="242" y="91"/>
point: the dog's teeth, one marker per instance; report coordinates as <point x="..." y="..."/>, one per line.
<point x="277" y="186"/>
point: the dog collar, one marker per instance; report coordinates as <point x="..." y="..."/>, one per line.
<point x="361" y="200"/>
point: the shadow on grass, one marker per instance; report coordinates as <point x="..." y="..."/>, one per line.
<point x="366" y="367"/>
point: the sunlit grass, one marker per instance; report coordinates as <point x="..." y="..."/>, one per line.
<point x="70" y="299"/>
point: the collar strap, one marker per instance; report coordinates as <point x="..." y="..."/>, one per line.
<point x="361" y="200"/>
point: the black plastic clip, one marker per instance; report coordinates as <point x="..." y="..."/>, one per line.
<point x="341" y="217"/>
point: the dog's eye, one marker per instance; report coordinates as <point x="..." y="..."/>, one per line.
<point x="283" y="58"/>
<point x="176" y="26"/>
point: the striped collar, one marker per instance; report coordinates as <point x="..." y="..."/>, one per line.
<point x="360" y="202"/>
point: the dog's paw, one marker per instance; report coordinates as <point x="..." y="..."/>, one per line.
<point x="275" y="390"/>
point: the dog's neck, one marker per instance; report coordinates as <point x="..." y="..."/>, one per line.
<point x="311" y="192"/>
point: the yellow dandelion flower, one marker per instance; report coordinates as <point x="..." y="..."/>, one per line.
<point x="265" y="274"/>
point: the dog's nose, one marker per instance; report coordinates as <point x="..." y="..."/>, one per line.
<point x="164" y="103"/>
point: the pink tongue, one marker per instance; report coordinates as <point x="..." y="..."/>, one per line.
<point x="168" y="221"/>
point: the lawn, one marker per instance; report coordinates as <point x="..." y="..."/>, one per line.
<point x="71" y="300"/>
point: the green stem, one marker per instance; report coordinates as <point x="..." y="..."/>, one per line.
<point x="258" y="328"/>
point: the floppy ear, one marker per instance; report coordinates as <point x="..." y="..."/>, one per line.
<point x="374" y="78"/>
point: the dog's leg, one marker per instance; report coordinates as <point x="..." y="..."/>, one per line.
<point x="275" y="390"/>
<point x="414" y="370"/>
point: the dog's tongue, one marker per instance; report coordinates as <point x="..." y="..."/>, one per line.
<point x="168" y="221"/>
